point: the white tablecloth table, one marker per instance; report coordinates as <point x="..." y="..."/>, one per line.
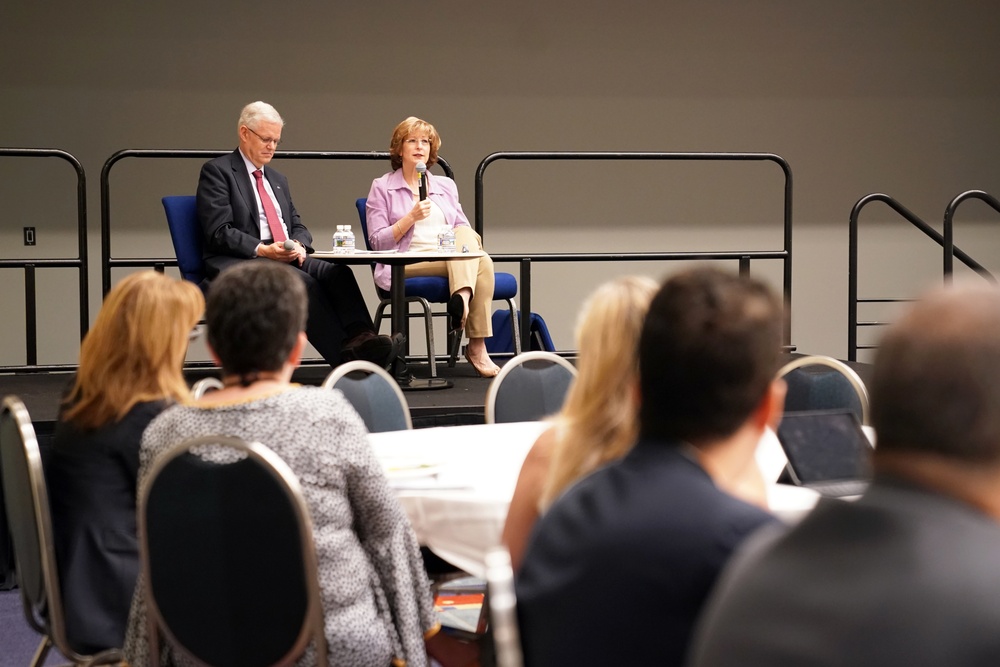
<point x="455" y="483"/>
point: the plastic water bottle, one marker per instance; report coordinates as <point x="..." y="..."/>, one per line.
<point x="348" y="239"/>
<point x="339" y="240"/>
<point x="446" y="239"/>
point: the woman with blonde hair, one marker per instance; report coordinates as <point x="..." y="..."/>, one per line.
<point x="597" y="423"/>
<point x="130" y="370"/>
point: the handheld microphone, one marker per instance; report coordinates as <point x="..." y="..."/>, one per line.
<point x="422" y="170"/>
<point x="288" y="244"/>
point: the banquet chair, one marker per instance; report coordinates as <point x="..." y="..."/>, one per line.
<point x="208" y="533"/>
<point x="503" y="608"/>
<point x="27" y="505"/>
<point x="205" y="385"/>
<point x="529" y="387"/>
<point x="186" y="235"/>
<point x="425" y="290"/>
<point x="374" y="395"/>
<point x="823" y="383"/>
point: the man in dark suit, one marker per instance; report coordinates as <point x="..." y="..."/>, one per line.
<point x="246" y="211"/>
<point x="617" y="570"/>
<point x="907" y="574"/>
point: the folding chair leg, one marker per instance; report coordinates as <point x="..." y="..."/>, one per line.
<point x="41" y="652"/>
<point x="515" y="325"/>
<point x="454" y="345"/>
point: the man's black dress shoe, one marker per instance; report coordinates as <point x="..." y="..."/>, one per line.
<point x="369" y="346"/>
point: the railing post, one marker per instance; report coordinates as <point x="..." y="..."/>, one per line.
<point x="30" y="316"/>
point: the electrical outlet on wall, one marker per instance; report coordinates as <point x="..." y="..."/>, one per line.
<point x="29" y="236"/>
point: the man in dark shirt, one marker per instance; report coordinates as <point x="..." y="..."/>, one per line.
<point x="617" y="570"/>
<point x="908" y="574"/>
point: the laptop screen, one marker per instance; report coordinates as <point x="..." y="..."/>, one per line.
<point x="825" y="446"/>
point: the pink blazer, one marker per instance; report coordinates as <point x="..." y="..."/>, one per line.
<point x="390" y="198"/>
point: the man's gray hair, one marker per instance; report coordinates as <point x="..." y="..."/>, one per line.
<point x="258" y="111"/>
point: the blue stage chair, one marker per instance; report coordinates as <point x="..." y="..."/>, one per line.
<point x="185" y="232"/>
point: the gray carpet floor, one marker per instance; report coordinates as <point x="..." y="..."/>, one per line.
<point x="18" y="641"/>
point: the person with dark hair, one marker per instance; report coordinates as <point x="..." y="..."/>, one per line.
<point x="376" y="598"/>
<point x="616" y="571"/>
<point x="907" y="574"/>
<point x="246" y="212"/>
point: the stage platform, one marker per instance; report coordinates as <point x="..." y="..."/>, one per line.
<point x="463" y="403"/>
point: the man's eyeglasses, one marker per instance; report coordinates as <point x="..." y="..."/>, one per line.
<point x="276" y="142"/>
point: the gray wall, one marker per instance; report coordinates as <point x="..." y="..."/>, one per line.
<point x="893" y="96"/>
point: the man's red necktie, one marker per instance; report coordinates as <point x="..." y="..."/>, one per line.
<point x="273" y="222"/>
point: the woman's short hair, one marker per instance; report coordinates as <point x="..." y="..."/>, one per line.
<point x="410" y="126"/>
<point x="254" y="314"/>
<point x="135" y="350"/>
<point x="258" y="111"/>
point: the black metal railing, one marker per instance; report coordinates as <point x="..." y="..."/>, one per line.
<point x="743" y="258"/>
<point x="108" y="262"/>
<point x="852" y="272"/>
<point x="949" y="235"/>
<point x="30" y="265"/>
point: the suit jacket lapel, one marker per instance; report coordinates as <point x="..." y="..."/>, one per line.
<point x="243" y="184"/>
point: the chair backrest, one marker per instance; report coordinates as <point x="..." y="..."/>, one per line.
<point x="373" y="393"/>
<point x="503" y="608"/>
<point x="362" y="205"/>
<point x="26" y="501"/>
<point x="186" y="234"/>
<point x="210" y="533"/>
<point x="205" y="385"/>
<point x="529" y="387"/>
<point x="823" y="383"/>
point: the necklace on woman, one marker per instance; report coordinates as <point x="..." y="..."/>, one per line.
<point x="247" y="379"/>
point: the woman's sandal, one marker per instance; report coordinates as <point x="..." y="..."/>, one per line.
<point x="483" y="372"/>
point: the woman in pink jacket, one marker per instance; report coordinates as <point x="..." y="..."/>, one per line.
<point x="399" y="219"/>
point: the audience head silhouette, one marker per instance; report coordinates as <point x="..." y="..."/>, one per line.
<point x="255" y="314"/>
<point x="936" y="385"/>
<point x="708" y="353"/>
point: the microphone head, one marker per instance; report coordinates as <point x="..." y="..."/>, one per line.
<point x="289" y="244"/>
<point x="421" y="168"/>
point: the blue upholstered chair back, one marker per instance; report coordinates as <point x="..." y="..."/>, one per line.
<point x="374" y="395"/>
<point x="530" y="386"/>
<point x="185" y="232"/>
<point x="822" y="383"/>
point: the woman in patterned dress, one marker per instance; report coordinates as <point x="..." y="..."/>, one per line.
<point x="376" y="598"/>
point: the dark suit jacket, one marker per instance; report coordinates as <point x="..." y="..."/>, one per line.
<point x="903" y="576"/>
<point x="91" y="478"/>
<point x="617" y="570"/>
<point x="227" y="210"/>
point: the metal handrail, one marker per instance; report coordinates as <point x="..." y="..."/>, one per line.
<point x="108" y="262"/>
<point x="948" y="246"/>
<point x="852" y="270"/>
<point x="744" y="257"/>
<point x="29" y="265"/>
